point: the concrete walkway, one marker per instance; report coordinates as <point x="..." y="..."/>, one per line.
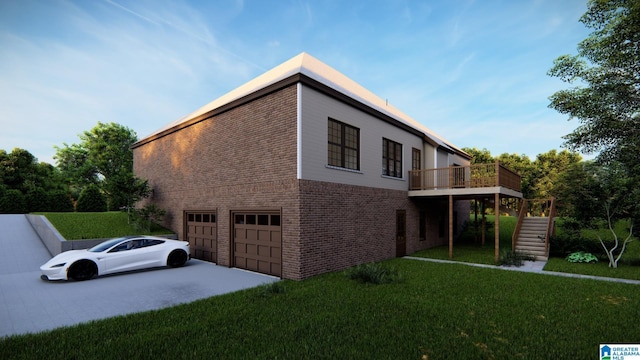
<point x="530" y="266"/>
<point x="29" y="304"/>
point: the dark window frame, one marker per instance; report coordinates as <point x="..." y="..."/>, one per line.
<point x="343" y="145"/>
<point x="416" y="159"/>
<point x="392" y="158"/>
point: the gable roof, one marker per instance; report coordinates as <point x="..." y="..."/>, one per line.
<point x="305" y="66"/>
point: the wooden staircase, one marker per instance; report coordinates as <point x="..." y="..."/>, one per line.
<point x="531" y="235"/>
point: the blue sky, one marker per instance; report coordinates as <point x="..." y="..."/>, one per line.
<point x="472" y="71"/>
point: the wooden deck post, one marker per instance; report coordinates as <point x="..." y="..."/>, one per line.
<point x="497" y="226"/>
<point x="484" y="221"/>
<point x="450" y="226"/>
<point x="475" y="221"/>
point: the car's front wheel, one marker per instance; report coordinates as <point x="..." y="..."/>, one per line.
<point x="83" y="270"/>
<point x="177" y="258"/>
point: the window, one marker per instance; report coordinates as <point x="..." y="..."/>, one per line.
<point x="344" y="145"/>
<point x="391" y="158"/>
<point x="416" y="161"/>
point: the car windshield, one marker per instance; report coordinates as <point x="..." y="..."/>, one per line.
<point x="107" y="244"/>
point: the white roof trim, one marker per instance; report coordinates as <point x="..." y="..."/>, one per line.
<point x="310" y="66"/>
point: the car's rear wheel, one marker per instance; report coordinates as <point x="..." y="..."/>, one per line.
<point x="177" y="258"/>
<point x="83" y="270"/>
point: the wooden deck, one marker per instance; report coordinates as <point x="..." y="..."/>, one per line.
<point x="465" y="177"/>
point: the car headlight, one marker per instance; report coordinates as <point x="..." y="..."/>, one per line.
<point x="58" y="265"/>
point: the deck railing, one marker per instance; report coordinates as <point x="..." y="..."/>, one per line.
<point x="473" y="176"/>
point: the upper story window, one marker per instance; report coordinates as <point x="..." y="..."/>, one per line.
<point x="416" y="159"/>
<point x="391" y="158"/>
<point x="344" y="145"/>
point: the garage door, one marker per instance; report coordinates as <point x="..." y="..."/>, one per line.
<point x="201" y="233"/>
<point x="257" y="242"/>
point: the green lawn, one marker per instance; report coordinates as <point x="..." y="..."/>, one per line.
<point x="468" y="248"/>
<point x="439" y="310"/>
<point x="74" y="226"/>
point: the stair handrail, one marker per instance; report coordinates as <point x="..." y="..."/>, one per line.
<point x="516" y="231"/>
<point x="550" y="225"/>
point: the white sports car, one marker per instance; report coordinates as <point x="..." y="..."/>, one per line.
<point x="116" y="255"/>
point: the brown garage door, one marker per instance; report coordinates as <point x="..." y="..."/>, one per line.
<point x="257" y="242"/>
<point x="201" y="234"/>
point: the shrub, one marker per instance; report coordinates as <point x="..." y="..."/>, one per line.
<point x="373" y="273"/>
<point x="12" y="201"/>
<point x="37" y="200"/>
<point x="148" y="215"/>
<point x="91" y="200"/>
<point x="582" y="257"/>
<point x="59" y="201"/>
<point x="570" y="238"/>
<point x="515" y="258"/>
<point x="273" y="288"/>
<point x="573" y="237"/>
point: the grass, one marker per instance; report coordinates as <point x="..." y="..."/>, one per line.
<point x="439" y="310"/>
<point x="74" y="226"/>
<point x="466" y="249"/>
<point x="601" y="268"/>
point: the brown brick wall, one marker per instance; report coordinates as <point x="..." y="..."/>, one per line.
<point x="243" y="159"/>
<point x="345" y="225"/>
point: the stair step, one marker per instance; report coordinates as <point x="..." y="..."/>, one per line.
<point x="531" y="239"/>
<point x="530" y="243"/>
<point x="534" y="225"/>
<point x="532" y="249"/>
<point x="532" y="253"/>
<point x="533" y="232"/>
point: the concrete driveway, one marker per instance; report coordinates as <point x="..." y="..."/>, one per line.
<point x="29" y="304"/>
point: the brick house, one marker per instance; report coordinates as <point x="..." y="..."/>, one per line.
<point x="302" y="171"/>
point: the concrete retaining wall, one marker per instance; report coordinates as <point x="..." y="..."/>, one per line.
<point x="55" y="243"/>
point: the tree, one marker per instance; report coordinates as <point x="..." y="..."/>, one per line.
<point x="73" y="162"/>
<point x="600" y="196"/>
<point x="18" y="167"/>
<point x="547" y="170"/>
<point x="479" y="156"/>
<point x="608" y="67"/>
<point x="104" y="157"/>
<point x="20" y="171"/>
<point x="108" y="148"/>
